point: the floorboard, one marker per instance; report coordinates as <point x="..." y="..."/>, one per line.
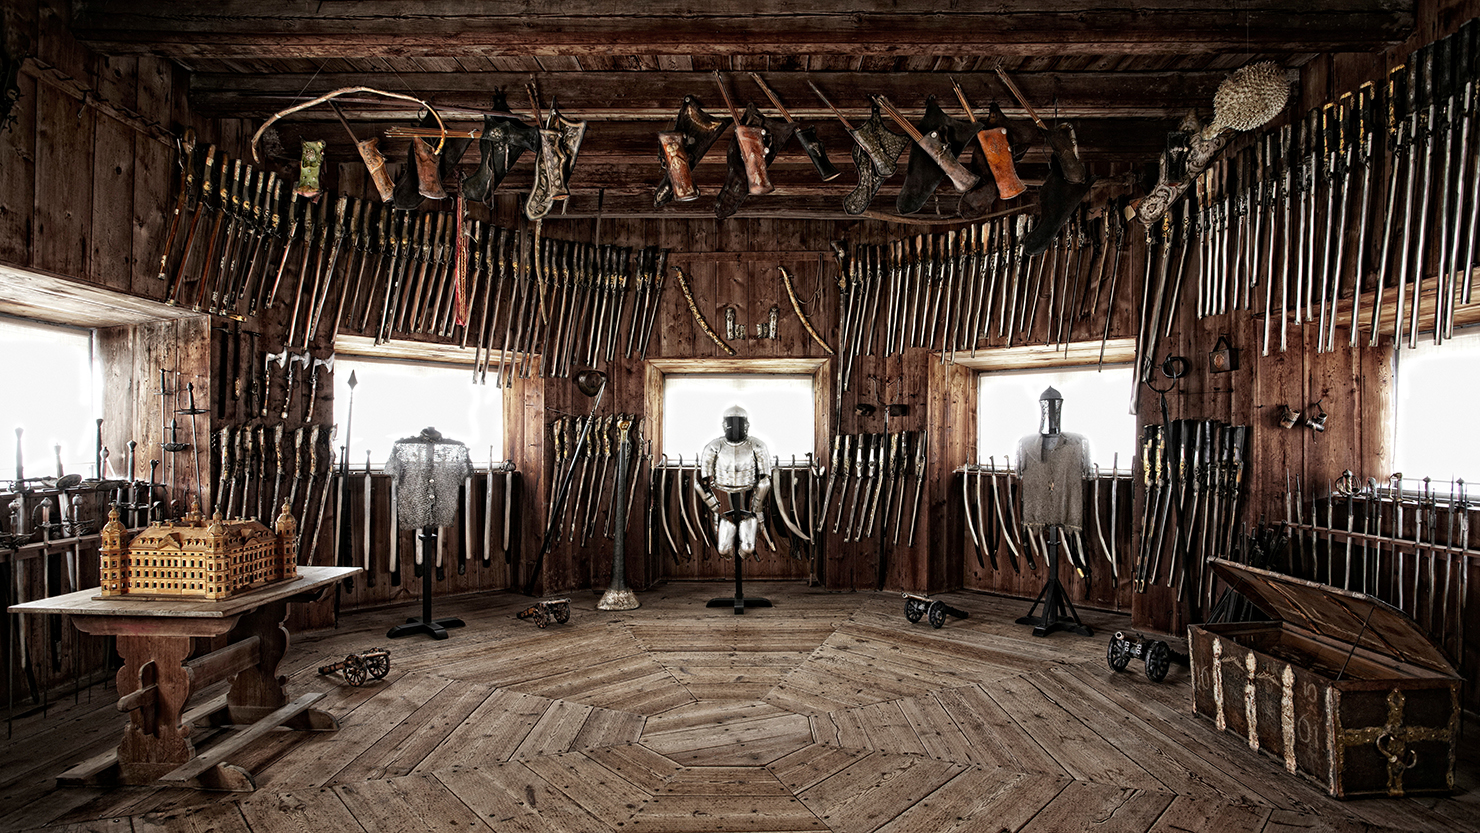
<point x="827" y="712"/>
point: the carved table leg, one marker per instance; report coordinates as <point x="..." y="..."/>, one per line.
<point x="154" y="741"/>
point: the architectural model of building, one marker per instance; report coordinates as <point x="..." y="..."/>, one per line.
<point x="196" y="557"/>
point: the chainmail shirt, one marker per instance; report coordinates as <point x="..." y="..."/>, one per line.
<point x="427" y="476"/>
<point x="1053" y="481"/>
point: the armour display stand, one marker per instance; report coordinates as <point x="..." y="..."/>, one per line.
<point x="435" y="628"/>
<point x="1058" y="612"/>
<point x="739" y="601"/>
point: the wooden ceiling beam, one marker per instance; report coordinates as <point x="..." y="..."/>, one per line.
<point x="394" y="28"/>
<point x="656" y="95"/>
<point x="635" y="142"/>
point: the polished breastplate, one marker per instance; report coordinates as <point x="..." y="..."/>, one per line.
<point x="732" y="467"/>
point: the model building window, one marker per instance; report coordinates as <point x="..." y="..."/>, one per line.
<point x="1434" y="384"/>
<point x="55" y="399"/>
<point x="395" y="400"/>
<point x="781" y="409"/>
<point x="1094" y="406"/>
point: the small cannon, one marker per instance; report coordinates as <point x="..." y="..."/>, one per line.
<point x="356" y="668"/>
<point x="916" y="606"/>
<point x="547" y="611"/>
<point x="1158" y="657"/>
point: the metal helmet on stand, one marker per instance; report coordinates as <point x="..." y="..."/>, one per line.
<point x="1051" y="407"/>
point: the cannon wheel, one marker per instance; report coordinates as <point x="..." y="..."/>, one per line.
<point x="937" y="615"/>
<point x="354" y="671"/>
<point x="913" y="610"/>
<point x="379" y="666"/>
<point x="1158" y="659"/>
<point x="562" y="613"/>
<point x="1118" y="653"/>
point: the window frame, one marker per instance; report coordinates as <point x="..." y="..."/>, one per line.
<point x="423" y="354"/>
<point x="656" y="371"/>
<point x="1047" y="358"/>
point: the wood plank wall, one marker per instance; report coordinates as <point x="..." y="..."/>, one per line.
<point x="84" y="195"/>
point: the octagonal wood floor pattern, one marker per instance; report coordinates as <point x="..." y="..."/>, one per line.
<point x="826" y="712"/>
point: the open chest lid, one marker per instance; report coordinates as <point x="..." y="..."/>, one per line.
<point x="1338" y="614"/>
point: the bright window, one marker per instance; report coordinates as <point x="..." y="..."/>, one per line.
<point x="51" y="394"/>
<point x="394" y="400"/>
<point x="1094" y="406"/>
<point x="1435" y="403"/>
<point x="781" y="411"/>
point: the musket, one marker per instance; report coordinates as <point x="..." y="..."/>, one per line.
<point x="920" y="457"/>
<point x="1465" y="57"/>
<point x="901" y="472"/>
<point x="416" y="256"/>
<point x="1471" y="70"/>
<point x="843" y="466"/>
<point x="1420" y="95"/>
<point x="882" y="482"/>
<point x="1148" y="467"/>
<point x="510" y="276"/>
<point x="660" y="277"/>
<point x="211" y="268"/>
<point x="349" y="290"/>
<point x="1303" y="183"/>
<point x="261" y="210"/>
<point x="296" y="219"/>
<point x="863" y="471"/>
<point x="430" y="290"/>
<point x="316" y="470"/>
<point x="1441" y="109"/>
<point x="324" y="279"/>
<point x="315" y="236"/>
<point x="832" y="476"/>
<point x="393" y="248"/>
<point x="186" y="199"/>
<point x="495" y="297"/>
<point x="210" y="181"/>
<point x="1397" y="147"/>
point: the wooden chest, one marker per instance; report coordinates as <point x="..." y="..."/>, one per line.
<point x="1342" y="688"/>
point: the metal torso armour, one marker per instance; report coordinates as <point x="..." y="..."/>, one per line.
<point x="734" y="467"/>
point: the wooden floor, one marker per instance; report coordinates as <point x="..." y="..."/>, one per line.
<point x="827" y="712"/>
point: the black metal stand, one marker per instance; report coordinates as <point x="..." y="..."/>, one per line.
<point x="1058" y="612"/>
<point x="739" y="601"/>
<point x="435" y="628"/>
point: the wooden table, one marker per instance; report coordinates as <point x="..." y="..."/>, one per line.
<point x="155" y="638"/>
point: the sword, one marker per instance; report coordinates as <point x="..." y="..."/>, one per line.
<point x="1423" y="116"/>
<point x="368" y="550"/>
